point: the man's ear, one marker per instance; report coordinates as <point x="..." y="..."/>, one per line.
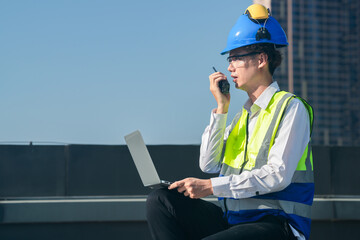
<point x="262" y="60"/>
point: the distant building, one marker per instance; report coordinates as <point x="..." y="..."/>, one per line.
<point x="326" y="64"/>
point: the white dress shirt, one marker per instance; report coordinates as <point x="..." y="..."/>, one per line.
<point x="292" y="137"/>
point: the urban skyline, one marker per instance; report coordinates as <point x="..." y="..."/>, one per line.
<point x="325" y="59"/>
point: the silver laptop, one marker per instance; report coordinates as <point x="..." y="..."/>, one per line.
<point x="143" y="161"/>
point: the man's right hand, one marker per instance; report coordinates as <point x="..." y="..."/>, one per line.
<point x="223" y="100"/>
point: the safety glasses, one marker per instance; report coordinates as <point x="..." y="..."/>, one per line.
<point x="234" y="58"/>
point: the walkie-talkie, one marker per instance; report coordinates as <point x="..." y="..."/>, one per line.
<point x="223" y="85"/>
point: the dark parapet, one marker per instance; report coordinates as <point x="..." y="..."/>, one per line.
<point x="108" y="170"/>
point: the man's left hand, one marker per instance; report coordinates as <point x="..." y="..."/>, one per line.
<point x="193" y="187"/>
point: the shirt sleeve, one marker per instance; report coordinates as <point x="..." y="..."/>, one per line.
<point x="292" y="138"/>
<point x="213" y="142"/>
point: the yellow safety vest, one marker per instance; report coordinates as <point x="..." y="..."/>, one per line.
<point x="240" y="155"/>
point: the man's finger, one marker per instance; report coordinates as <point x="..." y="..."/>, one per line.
<point x="175" y="185"/>
<point x="181" y="189"/>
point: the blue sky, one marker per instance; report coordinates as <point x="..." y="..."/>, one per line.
<point x="90" y="72"/>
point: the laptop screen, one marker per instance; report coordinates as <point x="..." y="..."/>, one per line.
<point x="142" y="159"/>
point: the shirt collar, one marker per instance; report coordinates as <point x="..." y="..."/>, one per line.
<point x="263" y="100"/>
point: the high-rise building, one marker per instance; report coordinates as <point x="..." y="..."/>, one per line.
<point x="326" y="64"/>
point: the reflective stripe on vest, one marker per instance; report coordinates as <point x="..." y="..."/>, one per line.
<point x="289" y="207"/>
<point x="296" y="199"/>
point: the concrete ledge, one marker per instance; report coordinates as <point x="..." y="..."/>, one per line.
<point x="132" y="208"/>
<point x="336" y="208"/>
<point x="102" y="209"/>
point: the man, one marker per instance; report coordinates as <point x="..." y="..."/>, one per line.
<point x="265" y="187"/>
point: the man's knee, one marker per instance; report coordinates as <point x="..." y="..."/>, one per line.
<point x="160" y="202"/>
<point x="160" y="197"/>
<point x="156" y="196"/>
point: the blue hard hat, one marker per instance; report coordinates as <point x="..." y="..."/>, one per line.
<point x="248" y="31"/>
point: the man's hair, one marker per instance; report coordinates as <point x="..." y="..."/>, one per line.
<point x="274" y="56"/>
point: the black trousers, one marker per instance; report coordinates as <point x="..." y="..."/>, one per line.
<point x="171" y="215"/>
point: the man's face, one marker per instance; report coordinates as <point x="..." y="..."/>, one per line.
<point x="243" y="69"/>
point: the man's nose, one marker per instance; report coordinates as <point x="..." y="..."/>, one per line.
<point x="230" y="68"/>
